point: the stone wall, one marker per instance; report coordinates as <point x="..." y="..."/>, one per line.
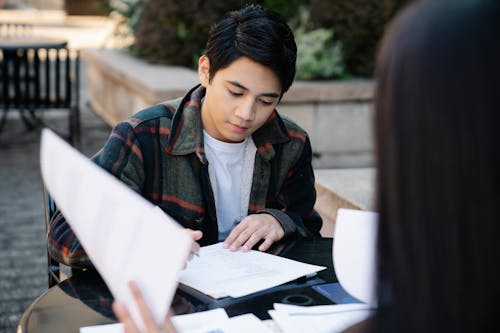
<point x="336" y="114"/>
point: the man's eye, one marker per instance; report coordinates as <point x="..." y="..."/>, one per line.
<point x="266" y="102"/>
<point x="235" y="93"/>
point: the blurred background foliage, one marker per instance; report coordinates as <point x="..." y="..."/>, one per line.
<point x="335" y="38"/>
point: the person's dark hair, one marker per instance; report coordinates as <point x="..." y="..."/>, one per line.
<point x="257" y="33"/>
<point x="438" y="159"/>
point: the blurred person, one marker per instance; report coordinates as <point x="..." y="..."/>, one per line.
<point x="438" y="155"/>
<point x="221" y="161"/>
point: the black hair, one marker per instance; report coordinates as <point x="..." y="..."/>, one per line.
<point x="259" y="34"/>
<point x="438" y="159"/>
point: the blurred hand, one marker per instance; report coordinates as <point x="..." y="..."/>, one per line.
<point x="251" y="230"/>
<point x="130" y="326"/>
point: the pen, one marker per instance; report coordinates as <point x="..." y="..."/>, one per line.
<point x="196" y="252"/>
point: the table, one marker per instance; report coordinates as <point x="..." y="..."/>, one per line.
<point x="16" y="77"/>
<point x="84" y="299"/>
<point x="31" y="42"/>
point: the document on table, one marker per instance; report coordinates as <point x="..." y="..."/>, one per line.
<point x="218" y="272"/>
<point x="318" y="319"/>
<point x="125" y="236"/>
<point x="211" y="321"/>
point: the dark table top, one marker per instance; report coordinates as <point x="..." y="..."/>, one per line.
<point x="84" y="299"/>
<point x="31" y="42"/>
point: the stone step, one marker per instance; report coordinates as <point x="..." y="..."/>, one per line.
<point x="343" y="188"/>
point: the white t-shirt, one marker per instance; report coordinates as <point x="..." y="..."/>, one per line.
<point x="227" y="171"/>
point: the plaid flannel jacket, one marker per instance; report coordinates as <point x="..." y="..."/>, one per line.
<point x="159" y="153"/>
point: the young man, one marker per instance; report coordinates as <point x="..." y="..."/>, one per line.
<point x="220" y="160"/>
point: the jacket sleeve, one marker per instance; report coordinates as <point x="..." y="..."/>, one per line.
<point x="297" y="197"/>
<point x="121" y="156"/>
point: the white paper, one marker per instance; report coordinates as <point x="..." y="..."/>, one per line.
<point x="124" y="235"/>
<point x="216" y="320"/>
<point x="318" y="319"/>
<point x="219" y="272"/>
<point x="109" y="328"/>
<point x="200" y="322"/>
<point x="211" y="321"/>
<point x="354" y="249"/>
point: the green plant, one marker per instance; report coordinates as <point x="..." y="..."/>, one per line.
<point x="287" y="8"/>
<point x="130" y="11"/>
<point x="319" y="56"/>
<point x="128" y="14"/>
<point x="339" y="37"/>
<point x="358" y="24"/>
<point x="174" y="32"/>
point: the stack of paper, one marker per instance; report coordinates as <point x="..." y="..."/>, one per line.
<point x="219" y="272"/>
<point x="212" y="321"/>
<point x="318" y="319"/>
<point x="217" y="321"/>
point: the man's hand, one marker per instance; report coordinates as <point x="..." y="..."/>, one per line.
<point x="251" y="230"/>
<point x="196" y="236"/>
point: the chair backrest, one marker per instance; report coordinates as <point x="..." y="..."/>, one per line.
<point x="53" y="268"/>
<point x="42" y="78"/>
<point x="12" y="29"/>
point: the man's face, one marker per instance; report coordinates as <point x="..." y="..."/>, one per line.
<point x="239" y="99"/>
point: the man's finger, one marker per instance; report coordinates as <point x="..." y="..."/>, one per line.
<point x="231" y="238"/>
<point x="266" y="244"/>
<point x="242" y="238"/>
<point x="249" y="244"/>
<point x="195" y="234"/>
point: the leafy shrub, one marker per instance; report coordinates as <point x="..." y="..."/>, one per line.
<point x="318" y="55"/>
<point x="340" y="37"/>
<point x="175" y="32"/>
<point x="129" y="13"/>
<point x="358" y="24"/>
<point x="287" y="8"/>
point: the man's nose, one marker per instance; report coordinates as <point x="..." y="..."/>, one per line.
<point x="246" y="110"/>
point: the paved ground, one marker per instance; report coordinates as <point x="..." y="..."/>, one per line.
<point x="23" y="261"/>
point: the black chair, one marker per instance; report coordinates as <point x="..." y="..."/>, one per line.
<point x="35" y="79"/>
<point x="55" y="270"/>
<point x="12" y="29"/>
<point x="53" y="267"/>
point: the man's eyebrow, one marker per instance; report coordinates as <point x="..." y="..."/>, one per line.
<point x="239" y="85"/>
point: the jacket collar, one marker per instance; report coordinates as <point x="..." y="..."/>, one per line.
<point x="186" y="131"/>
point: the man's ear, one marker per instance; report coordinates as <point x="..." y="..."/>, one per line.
<point x="204" y="70"/>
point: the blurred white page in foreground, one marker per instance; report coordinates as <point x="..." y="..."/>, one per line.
<point x="320" y="318"/>
<point x="125" y="236"/>
<point x="210" y="321"/>
<point x="353" y="253"/>
<point x="200" y="322"/>
<point x="219" y="272"/>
